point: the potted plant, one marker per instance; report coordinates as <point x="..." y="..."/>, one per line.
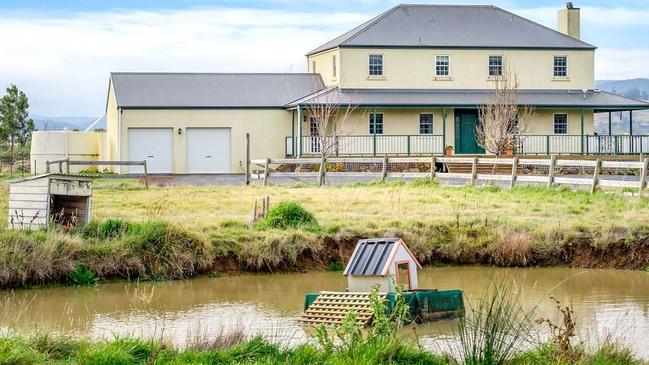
<point x="448" y="151"/>
<point x="509" y="151"/>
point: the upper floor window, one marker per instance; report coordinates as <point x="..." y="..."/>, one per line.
<point x="560" y="66"/>
<point x="313" y="66"/>
<point x="561" y="124"/>
<point x="495" y="65"/>
<point x="376" y="65"/>
<point x="333" y="64"/>
<point x="442" y="65"/>
<point x="376" y="123"/>
<point x="425" y="124"/>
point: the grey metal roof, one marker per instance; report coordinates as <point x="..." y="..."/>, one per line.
<point x="211" y="90"/>
<point x="594" y="99"/>
<point x="464" y="26"/>
<point x="370" y="256"/>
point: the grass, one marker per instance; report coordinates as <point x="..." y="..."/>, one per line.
<point x="177" y="232"/>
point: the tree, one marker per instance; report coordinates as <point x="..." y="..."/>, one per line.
<point x="329" y="123"/>
<point x="15" y="124"/>
<point x="501" y="120"/>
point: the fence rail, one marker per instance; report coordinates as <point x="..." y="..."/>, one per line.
<point x="378" y="167"/>
<point x="69" y="162"/>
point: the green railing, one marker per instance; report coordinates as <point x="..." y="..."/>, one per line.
<point x="585" y="145"/>
<point x="369" y="145"/>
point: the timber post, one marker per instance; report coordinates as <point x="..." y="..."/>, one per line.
<point x="553" y="162"/>
<point x="593" y="185"/>
<point x="266" y="171"/>
<point x="432" y="168"/>
<point x="146" y="178"/>
<point x="384" y="171"/>
<point x="247" y="158"/>
<point x="514" y="171"/>
<point x="643" y="177"/>
<point x="474" y="171"/>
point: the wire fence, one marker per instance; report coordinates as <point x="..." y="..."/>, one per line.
<point x="18" y="164"/>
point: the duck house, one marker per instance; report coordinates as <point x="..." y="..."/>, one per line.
<point x="37" y="201"/>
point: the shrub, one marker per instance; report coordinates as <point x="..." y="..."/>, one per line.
<point x="335" y="266"/>
<point x="82" y="276"/>
<point x="287" y="215"/>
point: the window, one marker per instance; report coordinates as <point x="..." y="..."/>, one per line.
<point x="425" y="124"/>
<point x="313" y="66"/>
<point x="495" y="65"/>
<point x="442" y="65"/>
<point x="333" y="63"/>
<point x="376" y="65"/>
<point x="561" y="124"/>
<point x="378" y="123"/>
<point x="560" y="66"/>
<point x="314" y="133"/>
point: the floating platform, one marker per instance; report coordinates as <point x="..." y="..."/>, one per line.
<point x="424" y="305"/>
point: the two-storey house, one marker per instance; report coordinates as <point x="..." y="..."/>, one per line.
<point x="415" y="75"/>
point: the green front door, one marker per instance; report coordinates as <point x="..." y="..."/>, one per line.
<point x="465" y="123"/>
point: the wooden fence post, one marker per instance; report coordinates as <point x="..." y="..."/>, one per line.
<point x="47" y="167"/>
<point x="247" y="158"/>
<point x="384" y="172"/>
<point x="474" y="171"/>
<point x="643" y="177"/>
<point x="514" y="171"/>
<point x="593" y="186"/>
<point x="266" y="171"/>
<point x="67" y="166"/>
<point x="146" y="177"/>
<point x="432" y="168"/>
<point x="553" y="161"/>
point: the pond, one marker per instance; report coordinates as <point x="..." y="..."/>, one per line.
<point x="614" y="302"/>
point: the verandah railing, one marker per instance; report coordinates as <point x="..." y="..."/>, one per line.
<point x="413" y="145"/>
<point x="370" y="145"/>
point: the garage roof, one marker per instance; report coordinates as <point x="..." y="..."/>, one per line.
<point x="211" y="90"/>
<point x="457" y="26"/>
<point x="590" y="99"/>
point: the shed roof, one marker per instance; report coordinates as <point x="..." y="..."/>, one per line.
<point x="595" y="99"/>
<point x="372" y="256"/>
<point x="457" y="26"/>
<point x="211" y="90"/>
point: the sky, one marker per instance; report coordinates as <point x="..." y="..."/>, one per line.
<point x="62" y="52"/>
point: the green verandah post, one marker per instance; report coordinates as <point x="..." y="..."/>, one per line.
<point x="582" y="131"/>
<point x="374" y="131"/>
<point x="631" y="131"/>
<point x="299" y="131"/>
<point x="443" y="130"/>
<point x="293" y="133"/>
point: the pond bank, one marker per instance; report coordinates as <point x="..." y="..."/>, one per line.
<point x="157" y="250"/>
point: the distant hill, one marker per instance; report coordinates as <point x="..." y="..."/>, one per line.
<point x="632" y="88"/>
<point x="48" y="123"/>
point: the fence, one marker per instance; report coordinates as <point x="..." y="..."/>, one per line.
<point x="508" y="170"/>
<point x="69" y="162"/>
<point x="592" y="145"/>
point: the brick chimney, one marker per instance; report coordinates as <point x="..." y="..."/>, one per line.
<point x="569" y="21"/>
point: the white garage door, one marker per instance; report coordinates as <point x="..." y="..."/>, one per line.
<point x="153" y="145"/>
<point x="208" y="150"/>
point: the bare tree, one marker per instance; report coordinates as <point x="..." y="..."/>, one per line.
<point x="502" y="121"/>
<point x="329" y="119"/>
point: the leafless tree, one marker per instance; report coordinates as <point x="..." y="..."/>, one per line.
<point x="502" y="121"/>
<point x="329" y="121"/>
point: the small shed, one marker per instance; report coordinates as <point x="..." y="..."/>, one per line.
<point x="385" y="262"/>
<point x="36" y="201"/>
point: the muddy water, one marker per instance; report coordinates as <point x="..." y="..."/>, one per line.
<point x="605" y="302"/>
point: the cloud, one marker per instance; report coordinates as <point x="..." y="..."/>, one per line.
<point x="63" y="63"/>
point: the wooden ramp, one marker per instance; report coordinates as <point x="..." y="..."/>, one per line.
<point x="332" y="307"/>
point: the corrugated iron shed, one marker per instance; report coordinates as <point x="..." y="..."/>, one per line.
<point x="370" y="256"/>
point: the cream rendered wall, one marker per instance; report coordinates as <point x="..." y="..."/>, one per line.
<point x="543" y="122"/>
<point x="324" y="66"/>
<point x="112" y="127"/>
<point x="56" y="145"/>
<point x="415" y="68"/>
<point x="268" y="129"/>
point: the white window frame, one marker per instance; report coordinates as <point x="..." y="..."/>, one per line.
<point x="371" y="123"/>
<point x="369" y="72"/>
<point x="554" y="123"/>
<point x="448" y="66"/>
<point x="502" y="65"/>
<point x="554" y="58"/>
<point x="432" y="124"/>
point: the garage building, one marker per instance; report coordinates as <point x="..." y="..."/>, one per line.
<point x="196" y="122"/>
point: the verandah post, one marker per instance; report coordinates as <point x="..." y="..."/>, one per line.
<point x="247" y="159"/>
<point x="299" y="131"/>
<point x="293" y="133"/>
<point x="374" y="132"/>
<point x="547" y="144"/>
<point x="443" y="130"/>
<point x="582" y="131"/>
